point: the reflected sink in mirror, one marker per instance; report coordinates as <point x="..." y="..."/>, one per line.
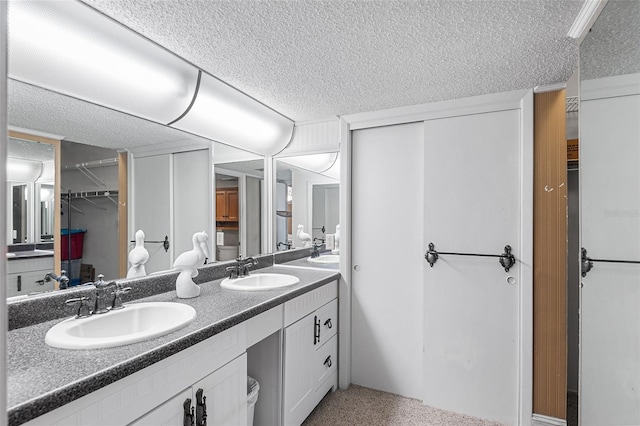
<point x="134" y="323"/>
<point x="259" y="282"/>
<point x="326" y="259"/>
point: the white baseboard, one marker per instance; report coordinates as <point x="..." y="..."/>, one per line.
<point x="541" y="420"/>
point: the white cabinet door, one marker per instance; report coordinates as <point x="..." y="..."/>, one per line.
<point x="299" y="376"/>
<point x="171" y="413"/>
<point x="474" y="198"/>
<point x="225" y="391"/>
<point x="226" y="394"/>
<point x="610" y="228"/>
<point x="310" y="359"/>
<point x="28" y="282"/>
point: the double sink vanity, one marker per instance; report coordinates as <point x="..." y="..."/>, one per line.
<point x="164" y="360"/>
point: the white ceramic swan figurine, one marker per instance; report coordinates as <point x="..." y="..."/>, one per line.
<point x="138" y="256"/>
<point x="303" y="236"/>
<point x="187" y="264"/>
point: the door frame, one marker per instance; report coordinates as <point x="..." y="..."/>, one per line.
<point x="521" y="100"/>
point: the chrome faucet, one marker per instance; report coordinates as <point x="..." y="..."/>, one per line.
<point x="241" y="268"/>
<point x="100" y="306"/>
<point x="316" y="250"/>
<point x="62" y="279"/>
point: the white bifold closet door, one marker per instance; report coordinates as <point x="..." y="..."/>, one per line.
<point x="387" y="200"/>
<point x="473" y="197"/>
<point x="453" y="335"/>
<point x="171" y="197"/>
<point x="610" y="230"/>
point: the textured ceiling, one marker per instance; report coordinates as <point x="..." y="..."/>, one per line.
<point x="612" y="47"/>
<point x="314" y="59"/>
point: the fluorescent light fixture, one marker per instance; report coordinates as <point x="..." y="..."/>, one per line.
<point x="48" y="173"/>
<point x="46" y="194"/>
<point x="67" y="47"/>
<point x="585" y="19"/>
<point x="224" y="114"/>
<point x="316" y="163"/>
<point x="21" y="170"/>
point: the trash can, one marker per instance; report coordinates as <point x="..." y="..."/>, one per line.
<point x="253" y="387"/>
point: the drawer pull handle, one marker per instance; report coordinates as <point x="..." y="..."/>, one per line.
<point x="201" y="408"/>
<point x="187" y="419"/>
<point x="327" y="361"/>
<point x="19" y="282"/>
<point x="316" y="330"/>
<point x="328" y="324"/>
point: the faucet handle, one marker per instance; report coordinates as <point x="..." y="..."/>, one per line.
<point x="83" y="309"/>
<point x="117" y="300"/>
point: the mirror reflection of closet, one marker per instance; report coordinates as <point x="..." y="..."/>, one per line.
<point x="89" y="209"/>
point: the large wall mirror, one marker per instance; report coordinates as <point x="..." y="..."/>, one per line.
<point x="97" y="156"/>
<point x="306" y="199"/>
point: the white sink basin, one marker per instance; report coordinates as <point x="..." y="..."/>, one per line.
<point x="259" y="282"/>
<point x="326" y="259"/>
<point x="134" y="323"/>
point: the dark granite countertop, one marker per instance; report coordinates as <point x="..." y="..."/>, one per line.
<point x="41" y="378"/>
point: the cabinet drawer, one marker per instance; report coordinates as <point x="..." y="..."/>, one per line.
<point x="326" y="361"/>
<point x="309" y="302"/>
<point x="34" y="264"/>
<point x="328" y="321"/>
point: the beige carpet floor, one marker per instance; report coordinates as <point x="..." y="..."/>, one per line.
<point x="363" y="406"/>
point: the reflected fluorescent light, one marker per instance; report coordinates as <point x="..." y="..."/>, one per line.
<point x="21" y="170"/>
<point x="48" y="172"/>
<point x="227" y="115"/>
<point x="46" y="194"/>
<point x="585" y="19"/>
<point x="317" y="163"/>
<point x="67" y="47"/>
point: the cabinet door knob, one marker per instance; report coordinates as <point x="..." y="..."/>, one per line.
<point x="328" y="324"/>
<point x="356" y="268"/>
<point x="327" y="361"/>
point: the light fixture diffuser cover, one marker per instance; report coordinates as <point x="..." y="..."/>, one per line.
<point x="70" y="48"/>
<point x="224" y="114"/>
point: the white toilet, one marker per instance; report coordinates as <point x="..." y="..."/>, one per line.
<point x="226" y="252"/>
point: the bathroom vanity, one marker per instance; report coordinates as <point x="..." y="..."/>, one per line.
<point x="285" y="338"/>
